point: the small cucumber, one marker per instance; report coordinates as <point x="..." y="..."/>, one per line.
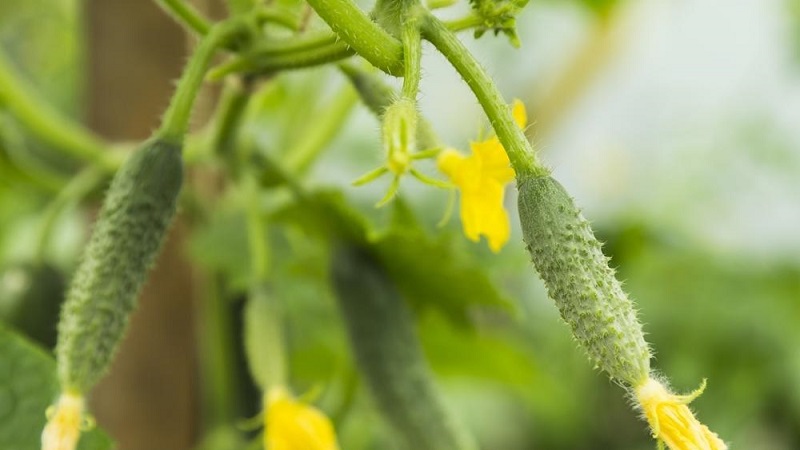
<point x="133" y="221"/>
<point x="578" y="278"/>
<point x="389" y="355"/>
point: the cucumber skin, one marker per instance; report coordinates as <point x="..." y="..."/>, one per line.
<point x="389" y="355"/>
<point x="134" y="218"/>
<point x="578" y="278"/>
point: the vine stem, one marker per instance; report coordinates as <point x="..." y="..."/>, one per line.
<point x="45" y="122"/>
<point x="412" y="53"/>
<point x="186" y="15"/>
<point x="520" y="153"/>
<point x="78" y="187"/>
<point x="366" y="37"/>
<point x="471" y="20"/>
<point x="176" y="119"/>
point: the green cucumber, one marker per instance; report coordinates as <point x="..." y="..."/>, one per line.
<point x="133" y="221"/>
<point x="389" y="355"/>
<point x="578" y="278"/>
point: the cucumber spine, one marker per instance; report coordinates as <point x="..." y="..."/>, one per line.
<point x="578" y="278"/>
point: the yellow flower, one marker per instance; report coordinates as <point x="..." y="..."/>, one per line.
<point x="294" y="425"/>
<point x="672" y="422"/>
<point x="64" y="423"/>
<point x="481" y="178"/>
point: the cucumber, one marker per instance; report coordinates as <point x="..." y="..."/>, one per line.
<point x="578" y="278"/>
<point x="133" y="221"/>
<point x="389" y="355"/>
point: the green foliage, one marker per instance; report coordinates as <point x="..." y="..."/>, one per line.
<point x="28" y="385"/>
<point x="499" y="16"/>
<point x="430" y="272"/>
<point x="30" y="299"/>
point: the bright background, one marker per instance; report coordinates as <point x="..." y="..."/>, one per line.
<point x="675" y="124"/>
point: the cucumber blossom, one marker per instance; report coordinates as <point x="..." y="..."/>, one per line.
<point x="389" y="356"/>
<point x="578" y="278"/>
<point x="133" y="221"/>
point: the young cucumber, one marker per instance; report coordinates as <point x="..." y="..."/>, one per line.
<point x="133" y="221"/>
<point x="389" y="356"/>
<point x="577" y="276"/>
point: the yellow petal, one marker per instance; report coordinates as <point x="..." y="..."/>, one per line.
<point x="449" y="161"/>
<point x="63" y="427"/>
<point x="671" y="420"/>
<point x="294" y="425"/>
<point x="519" y="113"/>
<point x="482" y="213"/>
<point x="494" y="162"/>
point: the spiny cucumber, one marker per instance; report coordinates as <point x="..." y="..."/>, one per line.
<point x="578" y="278"/>
<point x="133" y="221"/>
<point x="389" y="356"/>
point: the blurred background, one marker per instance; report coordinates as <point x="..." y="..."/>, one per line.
<point x="675" y="125"/>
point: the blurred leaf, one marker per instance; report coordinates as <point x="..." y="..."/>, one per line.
<point x="28" y="386"/>
<point x="221" y="245"/>
<point x="29" y="33"/>
<point x="30" y="299"/>
<point x="429" y="272"/>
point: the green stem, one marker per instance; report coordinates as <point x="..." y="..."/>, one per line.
<point x="320" y="132"/>
<point x="78" y="188"/>
<point x="307" y="51"/>
<point x="259" y="250"/>
<point x="231" y="110"/>
<point x="176" y="120"/>
<point x="238" y="7"/>
<point x="377" y="96"/>
<point x="520" y="153"/>
<point x="21" y="163"/>
<point x="280" y="17"/>
<point x="366" y="37"/>
<point x="412" y="54"/>
<point x="471" y="20"/>
<point x="263" y="333"/>
<point x="41" y="119"/>
<point x="186" y="15"/>
<point x="217" y="358"/>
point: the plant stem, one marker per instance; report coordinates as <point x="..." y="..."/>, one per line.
<point x="79" y="187"/>
<point x="366" y="37"/>
<point x="377" y="96"/>
<point x="471" y="20"/>
<point x="320" y="132"/>
<point x="412" y="54"/>
<point x="281" y="17"/>
<point x="520" y="153"/>
<point x="217" y="361"/>
<point x="302" y="52"/>
<point x="186" y="15"/>
<point x="263" y="332"/>
<point x="41" y="119"/>
<point x="176" y="119"/>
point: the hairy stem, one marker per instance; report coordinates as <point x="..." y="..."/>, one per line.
<point x="366" y="37"/>
<point x="519" y="150"/>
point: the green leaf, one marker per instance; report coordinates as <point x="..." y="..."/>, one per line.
<point x="430" y="272"/>
<point x="326" y="214"/>
<point x="28" y="386"/>
<point x="221" y="245"/>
